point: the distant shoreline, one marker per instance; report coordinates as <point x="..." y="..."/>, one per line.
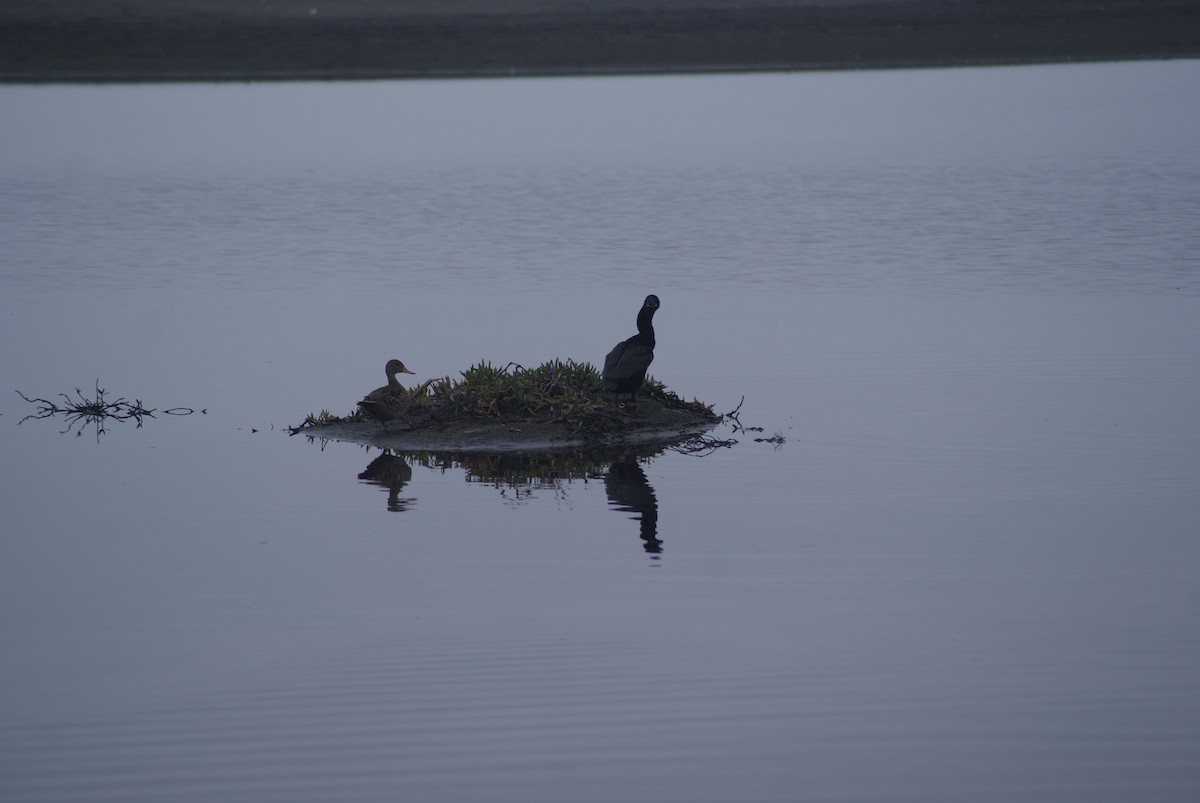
<point x="62" y="41"/>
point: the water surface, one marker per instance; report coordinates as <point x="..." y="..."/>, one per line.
<point x="967" y="299"/>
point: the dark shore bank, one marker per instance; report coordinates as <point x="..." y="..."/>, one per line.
<point x="155" y="40"/>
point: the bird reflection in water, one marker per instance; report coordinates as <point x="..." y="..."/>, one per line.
<point x="392" y="472"/>
<point x="629" y="491"/>
<point x="530" y="474"/>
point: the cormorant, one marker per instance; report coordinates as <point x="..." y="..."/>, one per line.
<point x="625" y="366"/>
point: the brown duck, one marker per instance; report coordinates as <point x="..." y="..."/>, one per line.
<point x="390" y="401"/>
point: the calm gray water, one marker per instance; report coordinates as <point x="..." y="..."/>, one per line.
<point x="969" y="300"/>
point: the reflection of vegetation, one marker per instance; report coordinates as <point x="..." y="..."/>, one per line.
<point x="545" y="468"/>
<point x="519" y="475"/>
<point x="562" y="393"/>
<point x="79" y="411"/>
<point x="550" y="467"/>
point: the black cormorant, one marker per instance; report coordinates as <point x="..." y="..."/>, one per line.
<point x="625" y="366"/>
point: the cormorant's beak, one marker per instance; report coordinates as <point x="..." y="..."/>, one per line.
<point x="405" y="371"/>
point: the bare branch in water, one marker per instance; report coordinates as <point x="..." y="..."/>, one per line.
<point x="702" y="445"/>
<point x="79" y="411"/>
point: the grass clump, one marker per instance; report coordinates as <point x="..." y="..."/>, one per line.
<point x="555" y="391"/>
<point x="322" y="418"/>
<point x="653" y="389"/>
<point x="558" y="392"/>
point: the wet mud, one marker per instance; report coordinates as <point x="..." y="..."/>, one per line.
<point x="650" y="420"/>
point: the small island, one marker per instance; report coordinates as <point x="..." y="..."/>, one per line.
<point x="558" y="403"/>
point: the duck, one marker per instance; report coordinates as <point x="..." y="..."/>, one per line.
<point x="390" y="401"/>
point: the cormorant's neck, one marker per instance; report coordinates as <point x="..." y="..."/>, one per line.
<point x="645" y="327"/>
<point x="393" y="382"/>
